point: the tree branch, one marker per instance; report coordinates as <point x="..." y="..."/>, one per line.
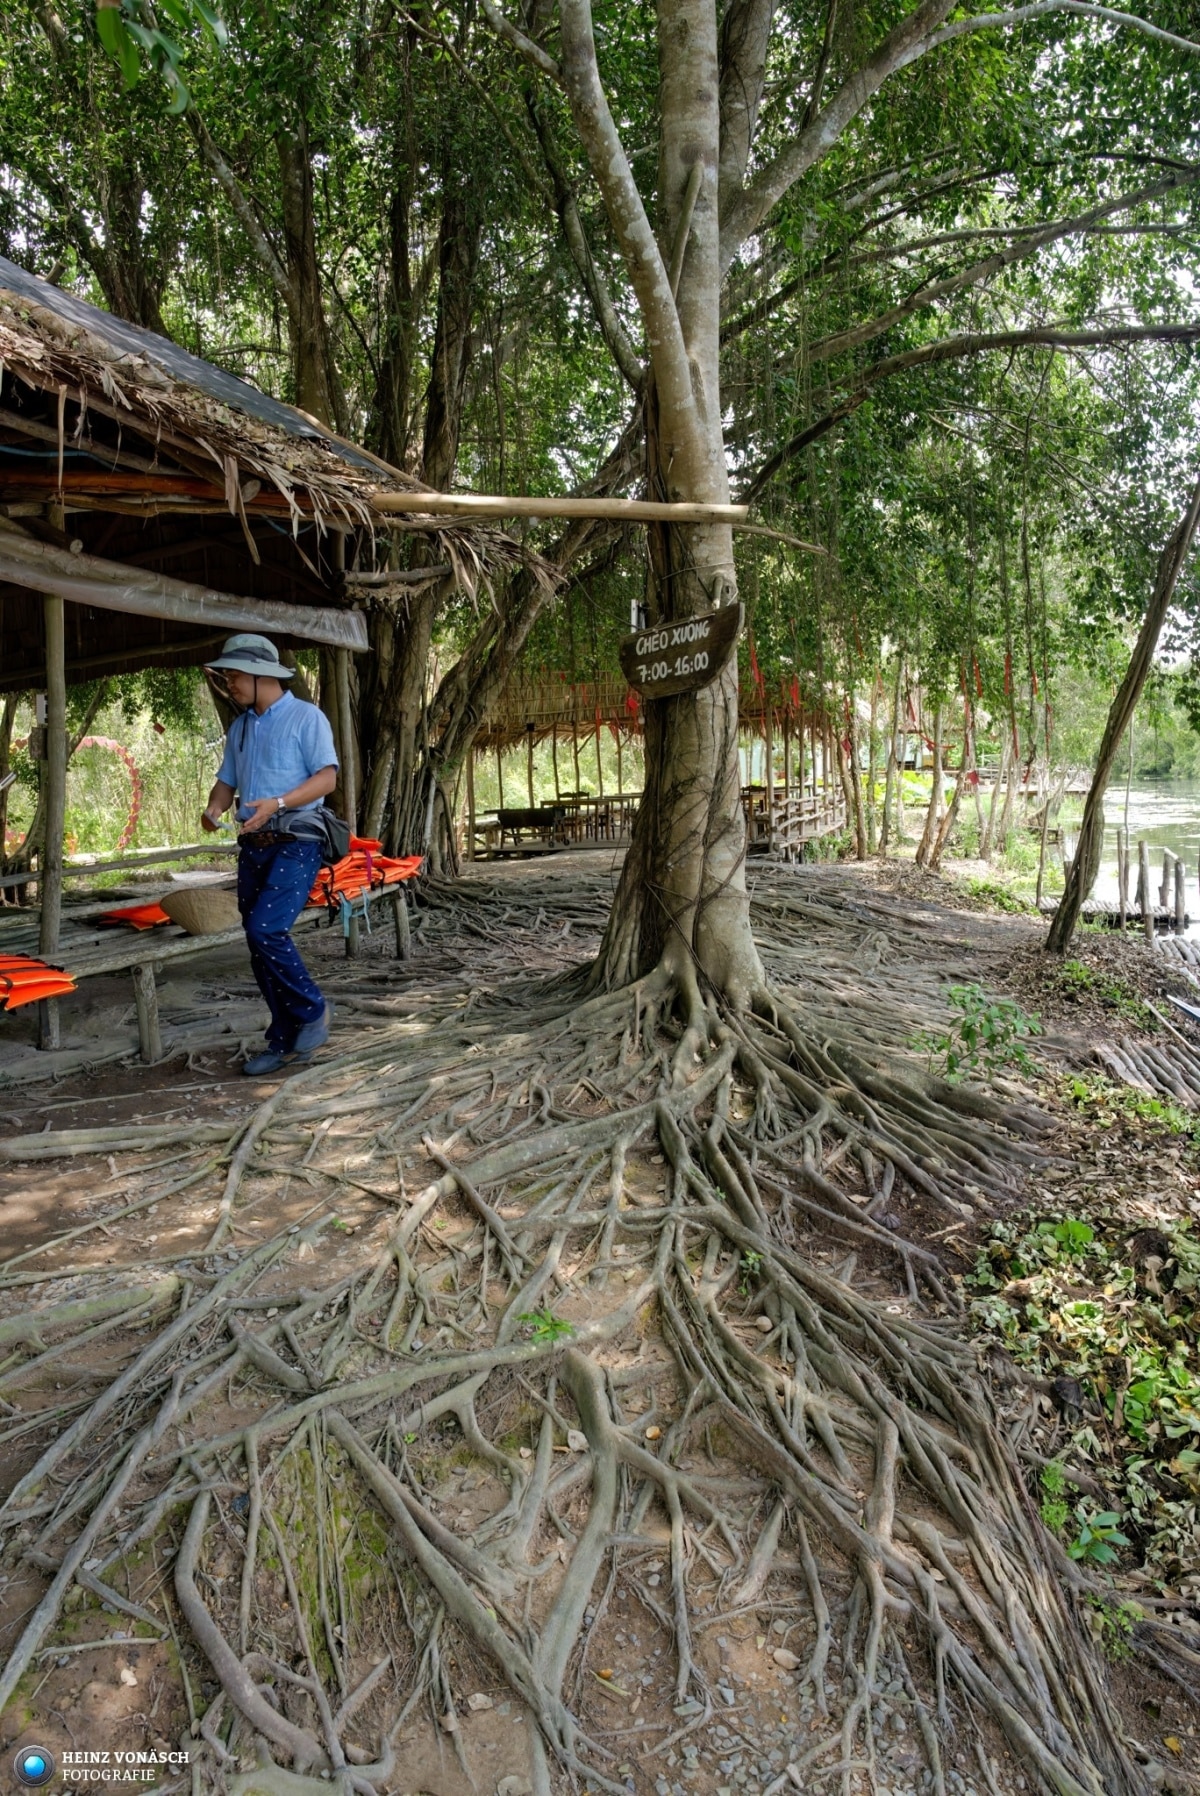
<point x="745" y="39"/>
<point x="984" y="270"/>
<point x="243" y="211"/>
<point x="595" y="285"/>
<point x="923" y="30"/>
<point x="525" y="46"/>
<point x="949" y="349"/>
<point x="623" y="202"/>
<point x="902" y="45"/>
<point x="1021" y="15"/>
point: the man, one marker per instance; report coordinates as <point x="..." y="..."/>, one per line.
<point x="280" y="762"/>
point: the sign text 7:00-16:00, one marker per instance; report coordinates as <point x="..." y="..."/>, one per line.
<point x="651" y="665"/>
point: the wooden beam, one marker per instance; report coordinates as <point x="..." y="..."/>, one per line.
<point x="526" y="505"/>
<point x="55" y="813"/>
<point x="114" y="586"/>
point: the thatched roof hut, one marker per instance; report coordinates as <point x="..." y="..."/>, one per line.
<point x="170" y="502"/>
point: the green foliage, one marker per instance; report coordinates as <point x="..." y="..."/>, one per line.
<point x="1106" y="1103"/>
<point x="545" y="1326"/>
<point x="129" y="32"/>
<point x="1075" y="977"/>
<point x="1069" y="1300"/>
<point x="992" y="892"/>
<point x="1098" y="1538"/>
<point x="989" y="1033"/>
<point x="1114" y="1623"/>
<point x="751" y="1266"/>
<point x="1056" y="1511"/>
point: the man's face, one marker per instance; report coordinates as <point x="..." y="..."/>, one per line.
<point x="240" y="687"/>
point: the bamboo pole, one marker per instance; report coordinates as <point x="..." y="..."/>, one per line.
<point x="1164" y="890"/>
<point x="599" y="763"/>
<point x="55" y="766"/>
<point x="529" y="505"/>
<point x="769" y="771"/>
<point x="529" y="764"/>
<point x="554" y="761"/>
<point x="499" y="779"/>
<point x="346" y="731"/>
<point x="1122" y="875"/>
<point x="471" y="804"/>
<point x="1180" y="896"/>
<point x="1147" y="900"/>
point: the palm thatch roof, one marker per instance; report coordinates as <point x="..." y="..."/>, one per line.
<point x="118" y="445"/>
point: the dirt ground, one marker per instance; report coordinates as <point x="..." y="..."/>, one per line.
<point x="109" y="1682"/>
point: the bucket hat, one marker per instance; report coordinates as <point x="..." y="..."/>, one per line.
<point x="252" y="655"/>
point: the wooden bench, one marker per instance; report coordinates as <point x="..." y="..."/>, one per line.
<point x="141" y="952"/>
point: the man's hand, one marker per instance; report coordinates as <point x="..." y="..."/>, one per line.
<point x="261" y="812"/>
<point x="209" y="822"/>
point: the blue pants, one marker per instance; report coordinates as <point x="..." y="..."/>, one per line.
<point x="274" y="881"/>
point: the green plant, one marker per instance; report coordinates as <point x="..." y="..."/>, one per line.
<point x="1056" y="1511"/>
<point x="1113" y="1623"/>
<point x="545" y="1326"/>
<point x="988" y="1033"/>
<point x="1109" y="1102"/>
<point x="1076" y="978"/>
<point x="1098" y="1537"/>
<point x="751" y="1264"/>
<point x="992" y="892"/>
<point x="1067" y="1300"/>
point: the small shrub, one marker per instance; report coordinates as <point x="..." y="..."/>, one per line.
<point x="545" y="1326"/>
<point x="992" y="892"/>
<point x="988" y="1033"/>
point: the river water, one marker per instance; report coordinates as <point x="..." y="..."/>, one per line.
<point x="1164" y="815"/>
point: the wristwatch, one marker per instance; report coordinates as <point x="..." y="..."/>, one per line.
<point x="279" y="806"/>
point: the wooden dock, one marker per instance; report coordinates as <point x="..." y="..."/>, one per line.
<point x="1105" y="912"/>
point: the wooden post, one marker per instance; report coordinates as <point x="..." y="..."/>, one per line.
<point x="55" y="765"/>
<point x="403" y="933"/>
<point x="1145" y="896"/>
<point x="769" y="770"/>
<point x="1123" y="875"/>
<point x="554" y="762"/>
<point x="620" y="770"/>
<point x="529" y="763"/>
<point x="575" y="747"/>
<point x="346" y="732"/>
<point x="145" y="997"/>
<point x="599" y="762"/>
<point x="1180" y="896"/>
<point x="471" y="804"/>
<point x="1164" y="890"/>
<point x="499" y="778"/>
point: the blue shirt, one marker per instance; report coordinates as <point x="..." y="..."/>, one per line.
<point x="269" y="755"/>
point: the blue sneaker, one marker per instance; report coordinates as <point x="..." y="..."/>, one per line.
<point x="269" y="1061"/>
<point x="315" y="1034"/>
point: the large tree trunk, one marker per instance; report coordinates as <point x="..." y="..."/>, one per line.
<point x="318" y="387"/>
<point x="1086" y="864"/>
<point x="682" y="899"/>
<point x="405" y="723"/>
<point x="934" y="812"/>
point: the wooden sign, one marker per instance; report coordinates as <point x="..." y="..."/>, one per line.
<point x="679" y="657"/>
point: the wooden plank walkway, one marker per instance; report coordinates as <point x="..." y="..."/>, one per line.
<point x="1103" y="910"/>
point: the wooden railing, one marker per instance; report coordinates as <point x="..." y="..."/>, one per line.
<point x="582" y="819"/>
<point x="789" y="819"/>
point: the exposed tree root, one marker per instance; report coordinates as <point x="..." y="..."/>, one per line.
<point x="855" y="1405"/>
